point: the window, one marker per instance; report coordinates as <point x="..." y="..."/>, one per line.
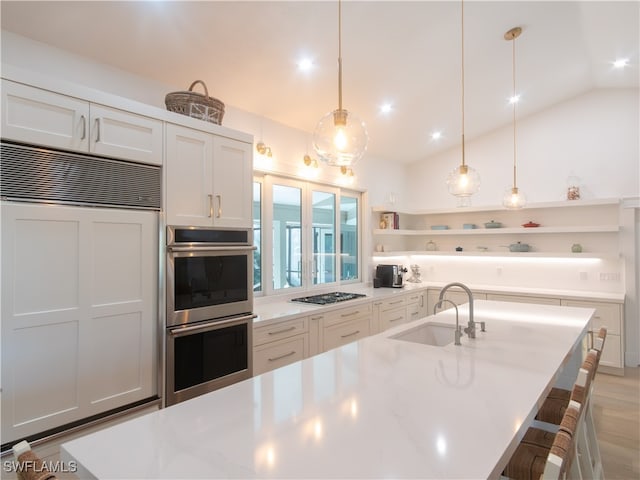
<point x="257" y="236"/>
<point x="312" y="235"/>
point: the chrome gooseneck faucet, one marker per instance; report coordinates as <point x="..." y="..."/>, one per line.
<point x="471" y="326"/>
<point x="458" y="331"/>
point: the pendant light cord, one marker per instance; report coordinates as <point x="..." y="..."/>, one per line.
<point x="462" y="76"/>
<point x="340" y="55"/>
<point x="514" y="98"/>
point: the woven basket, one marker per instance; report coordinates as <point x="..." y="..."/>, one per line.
<point x="195" y="104"/>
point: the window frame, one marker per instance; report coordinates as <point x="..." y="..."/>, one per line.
<point x="267" y="182"/>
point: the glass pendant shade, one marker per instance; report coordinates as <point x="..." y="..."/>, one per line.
<point x="514" y="198"/>
<point x="463" y="181"/>
<point x="340" y="138"/>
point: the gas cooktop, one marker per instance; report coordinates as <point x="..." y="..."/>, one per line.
<point x="328" y="298"/>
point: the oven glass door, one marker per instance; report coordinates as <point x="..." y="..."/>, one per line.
<point x="206" y="284"/>
<point x="204" y="357"/>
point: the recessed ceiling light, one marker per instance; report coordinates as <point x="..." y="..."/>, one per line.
<point x="621" y="62"/>
<point x="436" y="135"/>
<point x="305" y="64"/>
<point x="386" y="108"/>
<point x="514" y="99"/>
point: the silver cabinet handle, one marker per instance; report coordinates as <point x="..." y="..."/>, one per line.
<point x="280" y="357"/>
<point x="284" y="330"/>
<point x="219" y="197"/>
<point x="349" y="314"/>
<point x="350" y="334"/>
<point x="397" y="301"/>
<point x="316" y="318"/>
<point x="395" y="319"/>
<point x="97" y="129"/>
<point x="210" y="205"/>
<point x="84" y="127"/>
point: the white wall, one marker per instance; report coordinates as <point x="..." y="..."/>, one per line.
<point x="594" y="136"/>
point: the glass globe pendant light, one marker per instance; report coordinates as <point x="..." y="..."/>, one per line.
<point x="514" y="198"/>
<point x="463" y="181"/>
<point x="340" y="138"/>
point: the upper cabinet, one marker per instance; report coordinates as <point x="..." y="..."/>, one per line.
<point x="41" y="117"/>
<point x="568" y="228"/>
<point x="209" y="179"/>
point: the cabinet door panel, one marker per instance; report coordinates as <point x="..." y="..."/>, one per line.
<point x="189" y="177"/>
<point x="278" y="354"/>
<point x="347" y="332"/>
<point x="232" y="182"/>
<point x="392" y="318"/>
<point x="523" y="299"/>
<point x="612" y="352"/>
<point x="120" y="134"/>
<point x="279" y="330"/>
<point x="40" y="117"/>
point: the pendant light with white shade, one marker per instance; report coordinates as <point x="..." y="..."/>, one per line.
<point x="514" y="198"/>
<point x="340" y="138"/>
<point x="463" y="181"/>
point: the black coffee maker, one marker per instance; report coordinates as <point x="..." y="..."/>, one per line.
<point x="390" y="275"/>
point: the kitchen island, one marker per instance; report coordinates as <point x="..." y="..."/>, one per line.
<point x="376" y="408"/>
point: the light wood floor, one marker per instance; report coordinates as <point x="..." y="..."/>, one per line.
<point x="616" y="413"/>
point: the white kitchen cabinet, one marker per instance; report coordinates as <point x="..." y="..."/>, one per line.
<point x="388" y="313"/>
<point x="345" y="325"/>
<point x="232" y="182"/>
<point x="279" y="353"/>
<point x="346" y="332"/>
<point x="36" y="116"/>
<point x="455" y="295"/>
<point x="609" y="315"/>
<point x="416" y="305"/>
<point x="79" y="313"/>
<point x="279" y="344"/>
<point x="523" y="299"/>
<point x="208" y="178"/>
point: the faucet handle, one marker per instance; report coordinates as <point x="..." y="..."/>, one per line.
<point x="482" y="326"/>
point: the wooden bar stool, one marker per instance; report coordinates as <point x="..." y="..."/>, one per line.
<point x="30" y="466"/>
<point x="557" y="401"/>
<point x="536" y="457"/>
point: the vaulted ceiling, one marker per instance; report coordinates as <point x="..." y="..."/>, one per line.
<point x="406" y="54"/>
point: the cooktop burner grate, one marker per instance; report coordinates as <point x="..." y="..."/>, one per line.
<point x="328" y="298"/>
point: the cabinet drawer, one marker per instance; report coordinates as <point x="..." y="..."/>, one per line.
<point x="523" y="299"/>
<point x="392" y="303"/>
<point x="414" y="312"/>
<point x="607" y="315"/>
<point x="278" y="354"/>
<point x="391" y="318"/>
<point x="280" y="330"/>
<point x="344" y="314"/>
<point x="343" y="333"/>
<point x="413" y="298"/>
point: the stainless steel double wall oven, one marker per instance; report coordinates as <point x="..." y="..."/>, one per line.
<point x="209" y="309"/>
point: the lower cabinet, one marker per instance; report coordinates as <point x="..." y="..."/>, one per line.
<point x="609" y="315"/>
<point x="416" y="305"/>
<point x="457" y="296"/>
<point x="345" y="325"/>
<point x="279" y="353"/>
<point x="388" y="313"/>
<point x="279" y="344"/>
<point x="523" y="299"/>
<point x="334" y="336"/>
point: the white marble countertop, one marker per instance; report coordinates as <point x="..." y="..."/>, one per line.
<point x="280" y="307"/>
<point x="375" y="408"/>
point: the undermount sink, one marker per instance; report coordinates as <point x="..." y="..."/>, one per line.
<point x="432" y="333"/>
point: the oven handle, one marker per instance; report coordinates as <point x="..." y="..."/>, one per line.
<point x="212" y="249"/>
<point x="214" y="325"/>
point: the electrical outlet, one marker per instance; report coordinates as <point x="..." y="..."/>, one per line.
<point x="609" y="277"/>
